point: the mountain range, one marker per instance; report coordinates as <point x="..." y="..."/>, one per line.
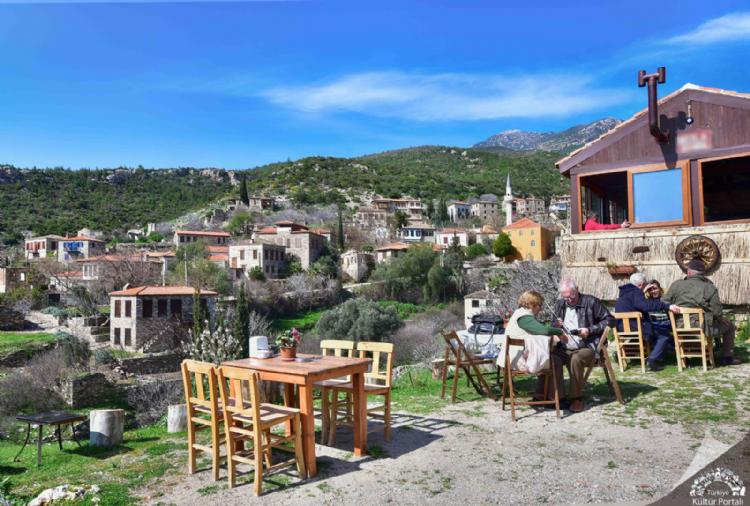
<point x="562" y="142"/>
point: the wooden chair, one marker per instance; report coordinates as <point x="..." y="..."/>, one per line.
<point x="509" y="373"/>
<point x="246" y="419"/>
<point x="690" y="340"/>
<point x="603" y="361"/>
<point x="462" y="359"/>
<point x="377" y="382"/>
<point x="336" y="348"/>
<point x="629" y="341"/>
<point x="203" y="411"/>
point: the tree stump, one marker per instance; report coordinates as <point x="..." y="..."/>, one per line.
<point x="106" y="427"/>
<point x="177" y="418"/>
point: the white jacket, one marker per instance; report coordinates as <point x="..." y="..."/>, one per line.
<point x="534" y="356"/>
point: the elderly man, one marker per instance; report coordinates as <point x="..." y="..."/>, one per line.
<point x="584" y="318"/>
<point x="632" y="298"/>
<point x="697" y="291"/>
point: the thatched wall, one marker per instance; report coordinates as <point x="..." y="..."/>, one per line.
<point x="585" y="258"/>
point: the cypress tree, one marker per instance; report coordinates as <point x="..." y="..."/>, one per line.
<point x="340" y="233"/>
<point x="242" y="321"/>
<point x="198" y="315"/>
<point x="243" y="191"/>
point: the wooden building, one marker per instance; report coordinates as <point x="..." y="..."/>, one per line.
<point x="682" y="181"/>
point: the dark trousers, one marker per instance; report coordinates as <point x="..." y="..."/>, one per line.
<point x="661" y="340"/>
<point x="577" y="361"/>
<point x="726" y="334"/>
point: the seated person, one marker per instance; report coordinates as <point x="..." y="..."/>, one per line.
<point x="523" y="324"/>
<point x="632" y="299"/>
<point x="584" y="319"/>
<point x="696" y="290"/>
<point x="659" y="319"/>
<point x="592" y="223"/>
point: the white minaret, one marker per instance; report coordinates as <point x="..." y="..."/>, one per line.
<point x="508" y="202"/>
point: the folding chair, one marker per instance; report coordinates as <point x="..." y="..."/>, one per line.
<point x="203" y="411"/>
<point x="689" y="340"/>
<point x="336" y="348"/>
<point x="246" y="419"/>
<point x="603" y="361"/>
<point x="629" y="341"/>
<point x="377" y="382"/>
<point x="509" y="373"/>
<point x="457" y="355"/>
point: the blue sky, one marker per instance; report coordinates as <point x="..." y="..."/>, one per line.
<point x="239" y="84"/>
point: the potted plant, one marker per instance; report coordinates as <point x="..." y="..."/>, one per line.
<point x="287" y="342"/>
<point x="620" y="270"/>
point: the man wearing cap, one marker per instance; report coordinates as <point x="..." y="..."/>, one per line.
<point x="697" y="291"/>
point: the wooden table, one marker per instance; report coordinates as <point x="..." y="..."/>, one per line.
<point x="304" y="375"/>
<point x="59" y="418"/>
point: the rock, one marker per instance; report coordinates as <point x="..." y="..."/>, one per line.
<point x="176" y="418"/>
<point x="64" y="493"/>
<point x="106" y="426"/>
<point x="11" y="319"/>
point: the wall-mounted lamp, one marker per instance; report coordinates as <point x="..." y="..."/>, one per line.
<point x="689" y="120"/>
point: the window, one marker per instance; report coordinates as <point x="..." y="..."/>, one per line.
<point x="117" y="337"/>
<point x="242" y="254"/>
<point x="658" y="197"/>
<point x="127" y="337"/>
<point x="148" y="308"/>
<point x="175" y="307"/>
<point x="533" y="243"/>
<point x="520" y="233"/>
<point x="128" y="308"/>
<point x="118" y="304"/>
<point x="726" y="189"/>
<point x="161" y="307"/>
<point x="474" y="303"/>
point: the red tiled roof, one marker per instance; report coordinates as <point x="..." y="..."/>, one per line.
<point x="522" y="223"/>
<point x="206" y="233"/>
<point x="218" y="249"/>
<point x="393" y="246"/>
<point x="111" y="258"/>
<point x="158" y="254"/>
<point x="218" y="258"/>
<point x="159" y="290"/>
<point x="267" y="230"/>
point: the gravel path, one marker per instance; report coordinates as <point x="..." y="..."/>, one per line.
<point x="472" y="451"/>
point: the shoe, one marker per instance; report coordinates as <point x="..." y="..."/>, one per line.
<point x="576" y="406"/>
<point x="654" y="366"/>
<point x="730" y="361"/>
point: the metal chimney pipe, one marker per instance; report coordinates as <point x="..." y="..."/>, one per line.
<point x="651" y="80"/>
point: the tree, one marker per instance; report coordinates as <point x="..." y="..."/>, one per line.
<point x="406" y="273"/>
<point x="244" y="197"/>
<point x="430" y="208"/>
<point x="239" y="222"/>
<point x="359" y="320"/>
<point x="442" y="214"/>
<point x="198" y="315"/>
<point x="400" y="219"/>
<point x="257" y="274"/>
<point x="438" y="282"/>
<point x="242" y="321"/>
<point x="340" y="232"/>
<point x="476" y="250"/>
<point x="502" y="246"/>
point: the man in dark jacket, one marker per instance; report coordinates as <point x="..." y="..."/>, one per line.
<point x="696" y="290"/>
<point x="631" y="299"/>
<point x="584" y="318"/>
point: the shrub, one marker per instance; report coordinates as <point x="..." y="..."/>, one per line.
<point x="419" y="341"/>
<point x="75" y="351"/>
<point x="104" y="356"/>
<point x="215" y="347"/>
<point x="256" y="274"/>
<point x="502" y="246"/>
<point x="359" y="320"/>
<point x="476" y="250"/>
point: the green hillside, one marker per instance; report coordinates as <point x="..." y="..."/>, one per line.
<point x="57" y="201"/>
<point x="426" y="172"/>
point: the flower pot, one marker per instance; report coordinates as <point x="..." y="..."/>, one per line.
<point x="289" y="353"/>
<point x="621" y="270"/>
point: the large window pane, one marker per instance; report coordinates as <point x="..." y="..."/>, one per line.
<point x="657" y="196"/>
<point x="726" y="189"/>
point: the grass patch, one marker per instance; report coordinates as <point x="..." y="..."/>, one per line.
<point x="11" y="342"/>
<point x="406" y="310"/>
<point x="209" y="490"/>
<point x="300" y="321"/>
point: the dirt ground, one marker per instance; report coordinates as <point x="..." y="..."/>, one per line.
<point x="473" y="452"/>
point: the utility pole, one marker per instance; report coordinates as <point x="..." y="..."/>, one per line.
<point x="186" y="283"/>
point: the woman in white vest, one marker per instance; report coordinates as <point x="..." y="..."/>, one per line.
<point x="534" y="356"/>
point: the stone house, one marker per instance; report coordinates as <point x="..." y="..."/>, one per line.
<point x="479" y="302"/>
<point x="530" y="206"/>
<point x="445" y="237"/>
<point x="12" y="278"/>
<point x="485" y="210"/>
<point x="486" y="234"/>
<point x="371" y="217"/>
<point x="390" y="251"/>
<point x="41" y="247"/>
<point x="298" y="239"/>
<point x="357" y="264"/>
<point x="270" y="258"/>
<point x="139" y="315"/>
<point x="218" y="255"/>
<point x="459" y="210"/>
<point x="411" y="207"/>
<point x="79" y="247"/>
<point x="212" y="238"/>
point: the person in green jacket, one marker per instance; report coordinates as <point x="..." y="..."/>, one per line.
<point x="697" y="291"/>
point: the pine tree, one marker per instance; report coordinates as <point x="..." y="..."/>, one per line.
<point x="243" y="191"/>
<point x="340" y="233"/>
<point x="242" y="321"/>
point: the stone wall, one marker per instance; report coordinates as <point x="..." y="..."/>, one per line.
<point x="156" y="363"/>
<point x="88" y="390"/>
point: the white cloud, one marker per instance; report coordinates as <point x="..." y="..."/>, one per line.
<point x="448" y="97"/>
<point x="731" y="27"/>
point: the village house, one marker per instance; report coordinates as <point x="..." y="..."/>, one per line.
<point x="459" y="210"/>
<point x="114" y="268"/>
<point x="327" y="234"/>
<point x="212" y="238"/>
<point x="417" y="232"/>
<point x="79" y="247"/>
<point x="140" y="315"/>
<point x="12" y="278"/>
<point x="446" y="236"/>
<point x="485" y="235"/>
<point x="411" y="207"/>
<point x="679" y="172"/>
<point x="480" y="302"/>
<point x="371" y="218"/>
<point x="357" y="264"/>
<point x="90" y="232"/>
<point x="218" y="255"/>
<point x="269" y="258"/>
<point x="298" y="239"/>
<point x="531" y="240"/>
<point x="260" y="203"/>
<point x="530" y="206"/>
<point x="41" y="247"/>
<point x="559" y="203"/>
<point x="486" y="210"/>
<point x="390" y="251"/>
